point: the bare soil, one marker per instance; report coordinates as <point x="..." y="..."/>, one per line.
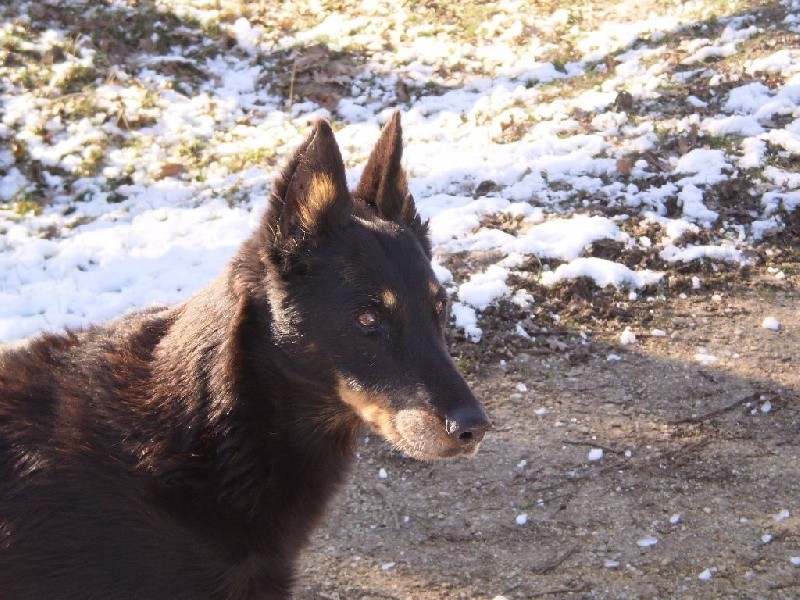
<point x="717" y="445"/>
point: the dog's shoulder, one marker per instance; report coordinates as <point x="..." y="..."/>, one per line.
<point x="58" y="356"/>
<point x="51" y="382"/>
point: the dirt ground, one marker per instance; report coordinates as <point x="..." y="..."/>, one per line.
<point x="701" y="461"/>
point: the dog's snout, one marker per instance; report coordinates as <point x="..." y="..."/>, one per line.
<point x="467" y="425"/>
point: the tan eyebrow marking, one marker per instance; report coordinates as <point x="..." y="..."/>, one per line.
<point x="389" y="299"/>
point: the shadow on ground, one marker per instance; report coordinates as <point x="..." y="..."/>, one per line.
<point x="696" y="494"/>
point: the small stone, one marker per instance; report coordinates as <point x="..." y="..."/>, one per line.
<point x="647" y="541"/>
<point x="595" y="454"/>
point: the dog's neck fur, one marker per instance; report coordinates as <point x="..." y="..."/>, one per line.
<point x="188" y="452"/>
<point x="237" y="451"/>
<point x="247" y="393"/>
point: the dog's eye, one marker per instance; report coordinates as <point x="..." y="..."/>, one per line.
<point x="368" y="318"/>
<point x="439" y="307"/>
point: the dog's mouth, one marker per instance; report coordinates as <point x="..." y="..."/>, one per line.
<point x="417" y="432"/>
<point x="423" y="436"/>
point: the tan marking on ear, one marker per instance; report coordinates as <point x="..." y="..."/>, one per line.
<point x="389" y="299"/>
<point x="321" y="193"/>
<point x="401" y="184"/>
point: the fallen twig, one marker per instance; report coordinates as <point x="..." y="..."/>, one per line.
<point x="384" y="493"/>
<point x="592" y="444"/>
<point x="554" y="562"/>
<point x="575" y="590"/>
<point x="717" y="411"/>
<point x="291" y="86"/>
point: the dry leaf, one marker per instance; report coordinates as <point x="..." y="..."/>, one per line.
<point x="170" y="170"/>
<point x="401" y="91"/>
<point x="624" y="166"/>
<point x="624" y="101"/>
<point x="147" y="44"/>
<point x="556" y="344"/>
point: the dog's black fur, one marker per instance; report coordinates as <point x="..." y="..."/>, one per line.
<point x="187" y="452"/>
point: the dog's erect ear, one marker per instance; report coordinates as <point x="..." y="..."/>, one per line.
<point x="383" y="185"/>
<point x="310" y="195"/>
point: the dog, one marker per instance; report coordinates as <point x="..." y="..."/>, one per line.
<point x="188" y="452"/>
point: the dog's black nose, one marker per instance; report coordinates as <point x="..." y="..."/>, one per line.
<point x="467" y="425"/>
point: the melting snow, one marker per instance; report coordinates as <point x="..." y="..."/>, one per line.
<point x="647" y="541"/>
<point x="626" y="337"/>
<point x="704" y="358"/>
<point x="595" y="454"/>
<point x="707" y="574"/>
<point x="159" y="228"/>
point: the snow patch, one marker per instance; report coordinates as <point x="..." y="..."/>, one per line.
<point x="647" y="541"/>
<point x="627" y="337"/>
<point x="467" y="319"/>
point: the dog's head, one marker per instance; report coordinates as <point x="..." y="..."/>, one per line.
<point x="355" y="299"/>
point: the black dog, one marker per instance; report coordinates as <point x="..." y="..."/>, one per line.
<point x="188" y="452"/>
